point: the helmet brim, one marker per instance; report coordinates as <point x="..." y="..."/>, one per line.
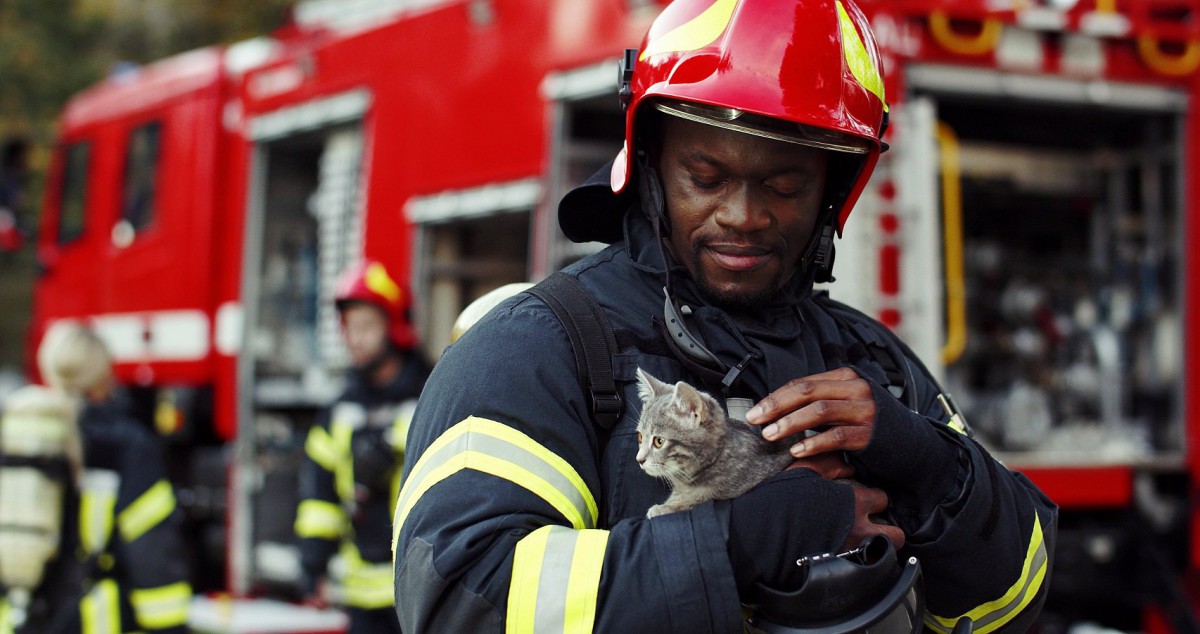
<point x="765" y="127"/>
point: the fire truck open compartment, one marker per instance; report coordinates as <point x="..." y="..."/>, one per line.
<point x="305" y="230"/>
<point x="1071" y="236"/>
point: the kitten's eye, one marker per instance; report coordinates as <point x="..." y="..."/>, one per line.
<point x="658" y="442"/>
<point x="639" y="437"/>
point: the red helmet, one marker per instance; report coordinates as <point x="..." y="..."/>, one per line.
<point x="371" y="283"/>
<point x="802" y="71"/>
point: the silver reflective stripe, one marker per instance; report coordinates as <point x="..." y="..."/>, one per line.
<point x="499" y="450"/>
<point x="555" y="581"/>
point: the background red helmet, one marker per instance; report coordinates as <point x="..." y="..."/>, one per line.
<point x="802" y="71"/>
<point x="371" y="283"/>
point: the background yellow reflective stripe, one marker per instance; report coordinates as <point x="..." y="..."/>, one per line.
<point x="99" y="610"/>
<point x="318" y="518"/>
<point x="369" y="585"/>
<point x="319" y="447"/>
<point x="698" y="32"/>
<point x="555" y="580"/>
<point x="95" y="526"/>
<point x="343" y="471"/>
<point x="490" y="447"/>
<point x="162" y="607"/>
<point x="147" y="511"/>
<point x="995" y="614"/>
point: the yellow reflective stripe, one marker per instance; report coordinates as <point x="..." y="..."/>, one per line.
<point x="6" y="626"/>
<point x="319" y="519"/>
<point x="995" y="614"/>
<point x="146" y="512"/>
<point x="700" y="31"/>
<point x="343" y="472"/>
<point x="319" y="447"/>
<point x="99" y="610"/>
<point x="98" y="499"/>
<point x="584" y="585"/>
<point x="555" y="581"/>
<point x="400" y="425"/>
<point x="858" y="59"/>
<point x="162" y="607"/>
<point x="490" y="447"/>
<point x="400" y="442"/>
<point x="369" y="585"/>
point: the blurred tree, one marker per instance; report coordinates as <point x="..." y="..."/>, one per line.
<point x="52" y="49"/>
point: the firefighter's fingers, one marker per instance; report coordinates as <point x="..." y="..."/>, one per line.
<point x="831" y="466"/>
<point x="867" y="503"/>
<point x="840" y="384"/>
<point x="815" y="415"/>
<point x="835" y="438"/>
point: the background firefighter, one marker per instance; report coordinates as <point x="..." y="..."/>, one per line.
<point x="132" y="568"/>
<point x="751" y="131"/>
<point x="349" y="481"/>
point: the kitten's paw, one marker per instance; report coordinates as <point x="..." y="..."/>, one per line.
<point x="658" y="509"/>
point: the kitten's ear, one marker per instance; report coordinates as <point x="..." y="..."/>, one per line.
<point x="690" y="398"/>
<point x="649" y="387"/>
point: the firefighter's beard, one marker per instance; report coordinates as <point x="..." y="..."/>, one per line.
<point x="741" y="298"/>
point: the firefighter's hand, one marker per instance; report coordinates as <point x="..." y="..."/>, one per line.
<point x="860" y="423"/>
<point x="317" y="598"/>
<point x="840" y="402"/>
<point x="869" y="506"/>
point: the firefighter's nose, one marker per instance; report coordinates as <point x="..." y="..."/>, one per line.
<point x="741" y="210"/>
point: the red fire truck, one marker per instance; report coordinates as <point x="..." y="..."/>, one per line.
<point x="1026" y="234"/>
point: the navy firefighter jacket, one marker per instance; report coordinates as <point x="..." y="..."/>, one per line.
<point x="512" y="517"/>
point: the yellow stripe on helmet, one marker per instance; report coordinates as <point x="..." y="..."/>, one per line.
<point x="377" y="279"/>
<point x="858" y="60"/>
<point x="698" y="32"/>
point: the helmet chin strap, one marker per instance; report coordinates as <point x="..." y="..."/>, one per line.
<point x="687" y="347"/>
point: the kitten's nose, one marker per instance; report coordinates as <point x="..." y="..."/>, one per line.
<point x="641" y="456"/>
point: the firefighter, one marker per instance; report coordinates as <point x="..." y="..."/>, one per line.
<point x="129" y="536"/>
<point x="751" y="129"/>
<point x="349" y="480"/>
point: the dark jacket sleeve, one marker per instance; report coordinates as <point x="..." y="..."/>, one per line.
<point x="984" y="534"/>
<point x="149" y="539"/>
<point x="497" y="523"/>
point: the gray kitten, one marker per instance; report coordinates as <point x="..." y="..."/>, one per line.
<point x="685" y="438"/>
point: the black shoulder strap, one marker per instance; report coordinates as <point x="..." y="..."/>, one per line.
<point x="592" y="339"/>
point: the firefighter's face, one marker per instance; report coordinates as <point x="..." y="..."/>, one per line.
<point x="742" y="208"/>
<point x="365" y="328"/>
